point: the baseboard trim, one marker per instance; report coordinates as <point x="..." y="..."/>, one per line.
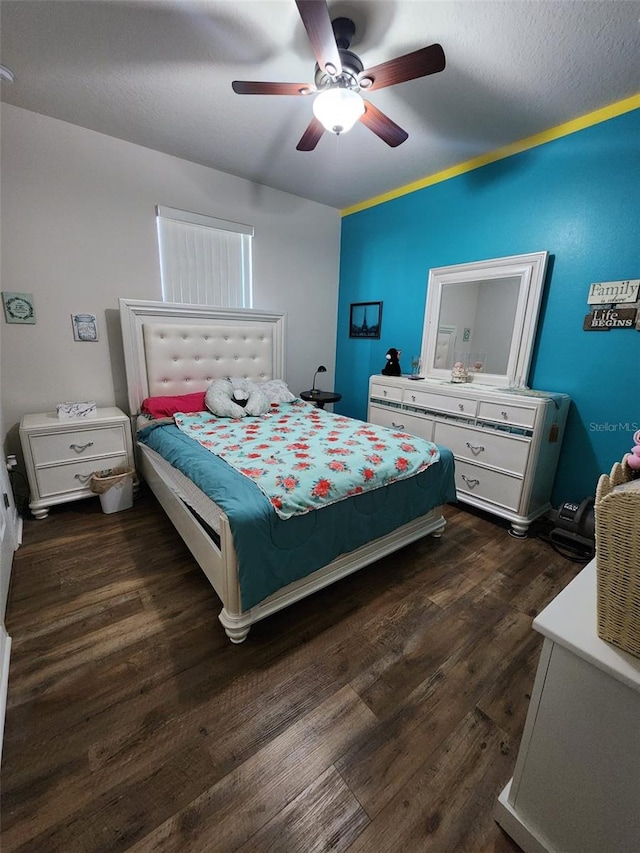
<point x="5" y="653"/>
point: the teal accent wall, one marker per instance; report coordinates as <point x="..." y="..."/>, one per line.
<point x="578" y="197"/>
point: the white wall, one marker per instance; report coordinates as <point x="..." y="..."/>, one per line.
<point x="78" y="231"/>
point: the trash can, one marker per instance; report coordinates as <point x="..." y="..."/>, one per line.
<point x="115" y="488"/>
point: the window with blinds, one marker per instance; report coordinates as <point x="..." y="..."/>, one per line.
<point x="204" y="261"/>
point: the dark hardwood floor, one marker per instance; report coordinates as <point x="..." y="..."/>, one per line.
<point x="381" y="715"/>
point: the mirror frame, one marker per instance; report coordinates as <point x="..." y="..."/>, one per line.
<point x="531" y="270"/>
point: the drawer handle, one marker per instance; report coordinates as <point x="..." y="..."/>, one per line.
<point x="461" y="407"/>
<point x="84" y="478"/>
<point x="413" y="397"/>
<point x="397" y="426"/>
<point x="79" y="448"/>
<point x="470" y="482"/>
<point x="504" y="414"/>
<point x="475" y="448"/>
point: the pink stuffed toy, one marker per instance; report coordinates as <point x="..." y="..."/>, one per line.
<point x="633" y="458"/>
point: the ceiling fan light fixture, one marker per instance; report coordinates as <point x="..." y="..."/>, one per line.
<point x="338" y="109"/>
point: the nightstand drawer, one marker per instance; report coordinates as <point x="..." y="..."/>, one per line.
<point x="77" y="444"/>
<point x="400" y="420"/>
<point x="73" y="476"/>
<point x="490" y="447"/>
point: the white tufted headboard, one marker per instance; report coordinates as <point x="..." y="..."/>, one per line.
<point x="173" y="348"/>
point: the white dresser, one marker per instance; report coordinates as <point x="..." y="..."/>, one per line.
<point x="61" y="454"/>
<point x="506" y="444"/>
<point x="576" y="782"/>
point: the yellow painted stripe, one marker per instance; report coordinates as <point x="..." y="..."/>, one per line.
<point x="565" y="129"/>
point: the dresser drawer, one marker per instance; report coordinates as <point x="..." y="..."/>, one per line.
<point x="73" y="477"/>
<point x="386" y="392"/>
<point x="505" y="413"/>
<point x="400" y="420"/>
<point x="77" y="444"/>
<point x="490" y="447"/>
<point x="440" y="402"/>
<point x="487" y="485"/>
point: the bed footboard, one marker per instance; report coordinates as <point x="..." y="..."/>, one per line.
<point x="237" y="624"/>
<point x="221" y="568"/>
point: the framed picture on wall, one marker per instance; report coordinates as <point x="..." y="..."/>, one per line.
<point x="85" y="327"/>
<point x="18" y="307"/>
<point x="365" y="320"/>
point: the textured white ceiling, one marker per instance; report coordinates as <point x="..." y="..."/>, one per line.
<point x="158" y="73"/>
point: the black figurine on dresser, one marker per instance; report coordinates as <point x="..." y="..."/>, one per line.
<point x="392" y="367"/>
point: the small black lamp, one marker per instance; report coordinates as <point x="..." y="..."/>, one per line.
<point x="321" y="369"/>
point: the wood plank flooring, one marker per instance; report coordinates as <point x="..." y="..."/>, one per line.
<point x="381" y="715"/>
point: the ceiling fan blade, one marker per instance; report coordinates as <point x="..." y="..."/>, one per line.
<point x="311" y="136"/>
<point x="317" y="22"/>
<point x="382" y="126"/>
<point x="247" y="87"/>
<point x="427" y="60"/>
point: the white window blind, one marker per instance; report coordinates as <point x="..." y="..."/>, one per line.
<point x="204" y="261"/>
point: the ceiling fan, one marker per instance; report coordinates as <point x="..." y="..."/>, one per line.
<point x="340" y="77"/>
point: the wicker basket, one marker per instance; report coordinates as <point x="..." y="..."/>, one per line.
<point x="617" y="527"/>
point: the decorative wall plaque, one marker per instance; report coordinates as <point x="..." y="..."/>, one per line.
<point x="604" y="319"/>
<point x="613" y="292"/>
<point x="18" y="307"/>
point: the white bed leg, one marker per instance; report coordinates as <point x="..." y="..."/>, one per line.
<point x="238" y="635"/>
<point x="439" y="531"/>
<point x="236" y="627"/>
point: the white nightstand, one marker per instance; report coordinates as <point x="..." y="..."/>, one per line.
<point x="61" y="455"/>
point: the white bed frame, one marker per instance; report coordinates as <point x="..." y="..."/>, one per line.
<point x="176" y="349"/>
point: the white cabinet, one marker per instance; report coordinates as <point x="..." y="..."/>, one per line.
<point x="506" y="444"/>
<point x="576" y="784"/>
<point x="61" y="455"/>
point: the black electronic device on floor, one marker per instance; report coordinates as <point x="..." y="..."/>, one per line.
<point x="574" y="528"/>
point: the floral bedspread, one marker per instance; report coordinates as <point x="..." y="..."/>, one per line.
<point x="303" y="458"/>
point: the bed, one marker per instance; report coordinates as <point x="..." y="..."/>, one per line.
<point x="175" y="349"/>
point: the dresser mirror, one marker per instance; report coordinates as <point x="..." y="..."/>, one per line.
<point x="482" y="318"/>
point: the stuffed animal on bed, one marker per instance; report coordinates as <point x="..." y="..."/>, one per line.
<point x="236" y="398"/>
<point x="392" y="367"/>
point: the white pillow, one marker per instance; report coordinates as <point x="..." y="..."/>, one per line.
<point x="277" y="391"/>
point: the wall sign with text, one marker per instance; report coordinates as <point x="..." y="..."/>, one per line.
<point x="614" y="292"/>
<point x="18" y="307"/>
<point x="623" y="305"/>
<point x="604" y="319"/>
